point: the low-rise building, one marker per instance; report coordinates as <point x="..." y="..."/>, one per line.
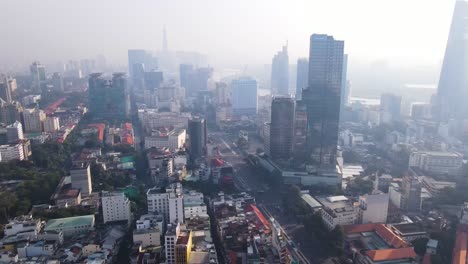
<point x="338" y="210"/>
<point x="71" y="225"/>
<point x="22" y="224"/>
<point x="194" y="205"/>
<point x="376" y="243"/>
<point x="446" y="163"/>
<point x="409" y="231"/>
<point x="149" y="230"/>
<point x="173" y="140"/>
<point x="68" y="197"/>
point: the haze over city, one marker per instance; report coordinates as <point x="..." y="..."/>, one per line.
<point x="234" y="132"/>
<point x="402" y="33"/>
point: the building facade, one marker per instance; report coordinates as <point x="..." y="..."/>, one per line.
<point x="197" y="133"/>
<point x="281" y="128"/>
<point x="322" y="99"/>
<point x="302" y="79"/>
<point x="280" y="73"/>
<point x="108" y="98"/>
<point x="115" y="207"/>
<point x="244" y="96"/>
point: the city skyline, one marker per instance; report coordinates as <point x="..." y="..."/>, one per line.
<point x="382" y="46"/>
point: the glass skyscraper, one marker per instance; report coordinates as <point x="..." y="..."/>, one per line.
<point x="322" y="99"/>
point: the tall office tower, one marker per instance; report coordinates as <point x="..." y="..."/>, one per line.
<point x="300" y="132"/>
<point x="115" y="207"/>
<point x="280" y="73"/>
<point x="33" y="120"/>
<point x="10" y="112"/>
<point x="411" y="195"/>
<point x="108" y="98"/>
<point x="14" y="132"/>
<point x="281" y="127"/>
<point x="244" y="96"/>
<point x="80" y="175"/>
<point x="12" y="83"/>
<point x="302" y="76"/>
<point x="57" y="82"/>
<point x="5" y="89"/>
<point x="168" y="202"/>
<point x="344" y="83"/>
<point x="153" y="79"/>
<point x="223" y="94"/>
<point x="453" y="82"/>
<point x="322" y="99"/>
<point x="185" y="75"/>
<point x="38" y="76"/>
<point x="197" y="136"/>
<point x="135" y="56"/>
<point x="199" y="80"/>
<point x="390" y="108"/>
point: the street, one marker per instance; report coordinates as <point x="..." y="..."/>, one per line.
<point x="268" y="197"/>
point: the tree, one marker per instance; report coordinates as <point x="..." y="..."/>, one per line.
<point x="420" y="245"/>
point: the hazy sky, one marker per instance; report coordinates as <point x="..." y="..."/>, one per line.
<point x="410" y="32"/>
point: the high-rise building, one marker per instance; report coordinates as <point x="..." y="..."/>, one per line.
<point x="344" y="83"/>
<point x="38" y="76"/>
<point x="115" y="207"/>
<point x="108" y="98"/>
<point x="244" y="96"/>
<point x="136" y="56"/>
<point x="168" y="202"/>
<point x="411" y="194"/>
<point x="51" y="124"/>
<point x="57" y="82"/>
<point x="12" y="152"/>
<point x="80" y="175"/>
<point x="153" y="79"/>
<point x="6" y="89"/>
<point x="300" y="131"/>
<point x="322" y="99"/>
<point x="14" y="132"/>
<point x="453" y="82"/>
<point x="373" y="207"/>
<point x="302" y="76"/>
<point x="33" y="120"/>
<point x="390" y="108"/>
<point x="185" y="75"/>
<point x="281" y="127"/>
<point x="280" y="73"/>
<point x="197" y="133"/>
<point x="10" y="112"/>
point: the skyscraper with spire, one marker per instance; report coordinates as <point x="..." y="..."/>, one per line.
<point x="453" y="83"/>
<point x="280" y="72"/>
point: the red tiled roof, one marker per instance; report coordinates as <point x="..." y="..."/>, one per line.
<point x="391" y="254"/>
<point x="100" y="127"/>
<point x="383" y="231"/>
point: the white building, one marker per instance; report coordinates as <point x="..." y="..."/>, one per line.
<point x="373" y="208"/>
<point x="194" y="205"/>
<point x="23" y="224"/>
<point x="80" y="175"/>
<point x="148" y="230"/>
<point x="244" y="96"/>
<point x="437" y="162"/>
<point x="394" y="191"/>
<point x="115" y="207"/>
<point x="168" y="202"/>
<point x="33" y="119"/>
<point x="172" y="140"/>
<point x="14" y="132"/>
<point x="12" y="152"/>
<point x="152" y="119"/>
<point x="338" y="210"/>
<point x="51" y="124"/>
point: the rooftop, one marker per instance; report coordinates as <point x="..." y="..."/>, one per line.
<point x="311" y="201"/>
<point x="408" y="228"/>
<point x="69" y="222"/>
